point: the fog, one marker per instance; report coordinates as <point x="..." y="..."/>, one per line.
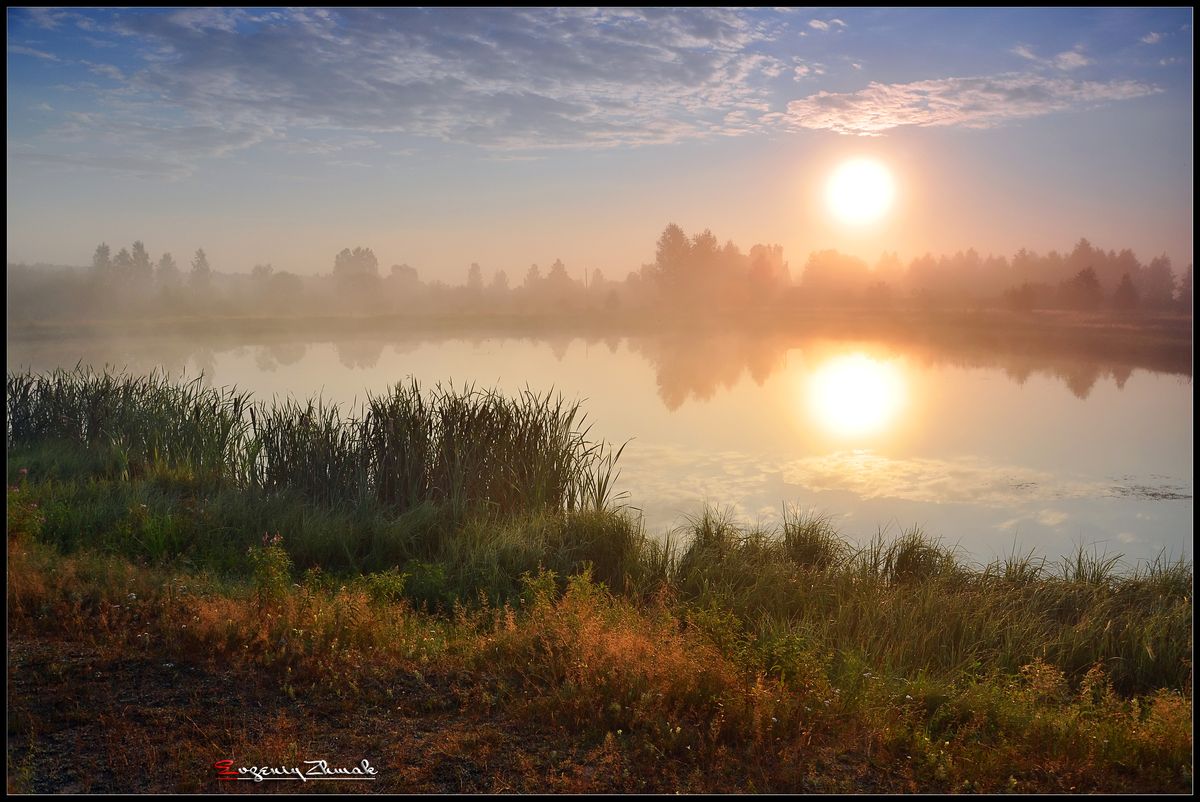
<point x="690" y="276"/>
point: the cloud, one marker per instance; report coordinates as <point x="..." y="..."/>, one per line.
<point x="48" y="18"/>
<point x="690" y="475"/>
<point x="125" y="139"/>
<point x="1025" y="51"/>
<point x="935" y="481"/>
<point x="966" y="480"/>
<point x="29" y="51"/>
<point x="823" y="25"/>
<point x="144" y="166"/>
<point x="1071" y="60"/>
<point x="1051" y="518"/>
<point x="106" y="70"/>
<point x="1067" y="60"/>
<point x="810" y="69"/>
<point x="526" y="78"/>
<point x="974" y="102"/>
<point x="1152" y="38"/>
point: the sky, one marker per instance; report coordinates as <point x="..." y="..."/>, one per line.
<point x="442" y="137"/>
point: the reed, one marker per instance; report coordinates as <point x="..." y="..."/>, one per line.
<point x="469" y="451"/>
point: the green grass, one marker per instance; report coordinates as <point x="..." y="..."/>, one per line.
<point x="485" y="513"/>
<point x="471" y="452"/>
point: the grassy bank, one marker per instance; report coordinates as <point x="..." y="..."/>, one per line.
<point x="729" y="659"/>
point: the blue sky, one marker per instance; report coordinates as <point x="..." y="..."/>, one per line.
<point x="445" y="137"/>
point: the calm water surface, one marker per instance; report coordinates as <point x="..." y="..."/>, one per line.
<point x="991" y="453"/>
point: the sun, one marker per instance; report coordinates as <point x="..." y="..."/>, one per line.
<point x="860" y="191"/>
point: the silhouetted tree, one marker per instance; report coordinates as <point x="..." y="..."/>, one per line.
<point x="1083" y="291"/>
<point x="355" y="264"/>
<point x="102" y="259"/>
<point x="1184" y="298"/>
<point x="1021" y="299"/>
<point x="122" y="264"/>
<point x="475" y="279"/>
<point x="405" y="274"/>
<point x="167" y="272"/>
<point x="1157" y="283"/>
<point x="201" y="276"/>
<point x="285" y="289"/>
<point x="1125" y="296"/>
<point x="500" y="283"/>
<point x="832" y="275"/>
<point x="402" y="282"/>
<point x="557" y="277"/>
<point x="356" y="274"/>
<point x="142" y="268"/>
<point x="533" y="278"/>
<point x="671" y="258"/>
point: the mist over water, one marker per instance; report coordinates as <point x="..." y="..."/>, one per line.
<point x="990" y="449"/>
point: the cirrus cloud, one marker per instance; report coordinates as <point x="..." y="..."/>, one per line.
<point x="496" y="78"/>
<point x="971" y="102"/>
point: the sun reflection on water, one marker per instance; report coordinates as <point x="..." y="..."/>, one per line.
<point x="856" y="395"/>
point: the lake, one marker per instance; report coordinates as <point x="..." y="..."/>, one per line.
<point x="991" y="449"/>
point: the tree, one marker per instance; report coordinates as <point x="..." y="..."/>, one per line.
<point x="285" y="288"/>
<point x="357" y="263"/>
<point x="558" y="274"/>
<point x="102" y="259"/>
<point x="1157" y="282"/>
<point x="671" y="254"/>
<point x="123" y="264"/>
<point x="1125" y="296"/>
<point x="142" y="268"/>
<point x="261" y="273"/>
<point x="201" y="275"/>
<point x="834" y="276"/>
<point x="1185" y="290"/>
<point x="533" y="278"/>
<point x="500" y="282"/>
<point x="356" y="273"/>
<point x="475" y="278"/>
<point x="705" y="245"/>
<point x="167" y="272"/>
<point x="1083" y="291"/>
<point x="405" y="275"/>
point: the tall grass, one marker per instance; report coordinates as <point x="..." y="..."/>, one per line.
<point x="467" y="450"/>
<point x="909" y="607"/>
<point x="142" y="422"/>
<point x="465" y="491"/>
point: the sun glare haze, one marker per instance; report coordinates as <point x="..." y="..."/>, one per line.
<point x="860" y="191"/>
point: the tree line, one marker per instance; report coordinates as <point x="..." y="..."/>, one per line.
<point x="689" y="273"/>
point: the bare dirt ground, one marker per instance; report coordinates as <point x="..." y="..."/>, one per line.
<point x="84" y="721"/>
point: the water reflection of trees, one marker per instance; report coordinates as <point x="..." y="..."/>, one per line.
<point x="695" y="368"/>
<point x="688" y="366"/>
